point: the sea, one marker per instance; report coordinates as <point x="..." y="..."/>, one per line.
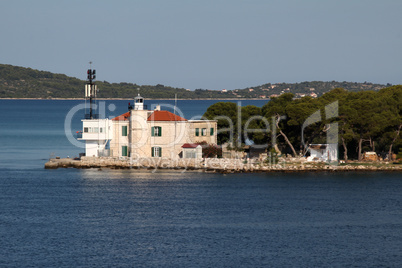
<point x="139" y="218"/>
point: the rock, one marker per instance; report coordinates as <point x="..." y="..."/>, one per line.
<point x="51" y="165"/>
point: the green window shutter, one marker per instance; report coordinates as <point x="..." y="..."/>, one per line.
<point x="124" y="150"/>
<point x="124" y="130"/>
<point x="212" y="131"/>
<point x="156" y="152"/>
<point x="197" y="132"/>
<point x="156" y="131"/>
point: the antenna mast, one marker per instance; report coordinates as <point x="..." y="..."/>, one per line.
<point x="90" y="91"/>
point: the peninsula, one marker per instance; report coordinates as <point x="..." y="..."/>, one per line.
<point x="238" y="138"/>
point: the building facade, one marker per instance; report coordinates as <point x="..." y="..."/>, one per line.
<point x="142" y="133"/>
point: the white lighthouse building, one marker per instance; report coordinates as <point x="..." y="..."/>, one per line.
<point x="97" y="134"/>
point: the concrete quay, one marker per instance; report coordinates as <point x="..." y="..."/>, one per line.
<point x="220" y="165"/>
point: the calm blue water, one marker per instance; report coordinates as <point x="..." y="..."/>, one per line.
<point x="125" y="218"/>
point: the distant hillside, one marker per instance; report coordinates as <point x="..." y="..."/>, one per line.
<point x="313" y="89"/>
<point x="20" y="82"/>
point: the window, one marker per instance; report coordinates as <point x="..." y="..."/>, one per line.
<point x="101" y="130"/>
<point x="204" y="132"/>
<point x="124" y="151"/>
<point x="156" y="131"/>
<point x="197" y="132"/>
<point x="92" y="130"/>
<point x="190" y="154"/>
<point x="124" y="130"/>
<point x="156" y="151"/>
<point x="212" y="131"/>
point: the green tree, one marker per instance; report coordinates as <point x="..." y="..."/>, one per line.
<point x="276" y="111"/>
<point x="252" y="119"/>
<point x="226" y="115"/>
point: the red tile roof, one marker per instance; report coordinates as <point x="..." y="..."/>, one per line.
<point x="165" y="116"/>
<point x="123" y="117"/>
<point x="190" y="145"/>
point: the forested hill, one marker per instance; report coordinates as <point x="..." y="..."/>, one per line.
<point x="20" y="82"/>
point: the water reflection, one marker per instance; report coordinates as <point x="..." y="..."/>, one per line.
<point x="142" y="174"/>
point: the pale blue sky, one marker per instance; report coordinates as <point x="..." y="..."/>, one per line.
<point x="212" y="44"/>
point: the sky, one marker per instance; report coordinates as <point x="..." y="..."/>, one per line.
<point x="208" y="44"/>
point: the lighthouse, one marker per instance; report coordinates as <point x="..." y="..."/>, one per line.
<point x="96" y="132"/>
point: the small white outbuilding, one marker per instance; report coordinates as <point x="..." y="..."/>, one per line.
<point x="323" y="152"/>
<point x="192" y="150"/>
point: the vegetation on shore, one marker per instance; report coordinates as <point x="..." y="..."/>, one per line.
<point x="20" y="82"/>
<point x="360" y="121"/>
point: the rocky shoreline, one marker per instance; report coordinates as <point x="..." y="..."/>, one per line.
<point x="216" y="165"/>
